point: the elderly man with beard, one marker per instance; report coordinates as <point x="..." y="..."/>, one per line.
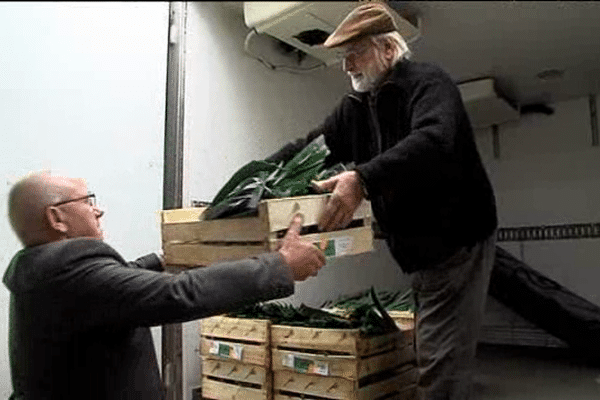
<point x="405" y="128"/>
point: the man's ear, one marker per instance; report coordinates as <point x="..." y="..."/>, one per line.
<point x="388" y="50"/>
<point x="56" y="219"/>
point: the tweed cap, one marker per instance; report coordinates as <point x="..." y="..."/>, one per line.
<point x="372" y="18"/>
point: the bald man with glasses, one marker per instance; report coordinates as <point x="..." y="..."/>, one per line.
<point x="80" y="314"/>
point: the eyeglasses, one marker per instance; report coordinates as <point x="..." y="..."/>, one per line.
<point x="91" y="200"/>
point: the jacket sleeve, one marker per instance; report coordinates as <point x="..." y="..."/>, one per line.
<point x="428" y="152"/>
<point x="104" y="291"/>
<point x="150" y="261"/>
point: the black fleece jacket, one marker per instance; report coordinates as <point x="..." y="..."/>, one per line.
<point x="413" y="145"/>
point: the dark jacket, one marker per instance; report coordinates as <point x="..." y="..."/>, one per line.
<point x="413" y="145"/>
<point x="80" y="315"/>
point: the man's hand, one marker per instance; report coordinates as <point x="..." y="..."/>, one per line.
<point x="304" y="258"/>
<point x="346" y="196"/>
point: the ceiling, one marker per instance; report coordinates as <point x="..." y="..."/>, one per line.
<point x="511" y="41"/>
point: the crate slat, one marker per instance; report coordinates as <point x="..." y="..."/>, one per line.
<point x="212" y="389"/>
<point x="179" y="215"/>
<point x="205" y="254"/>
<point x="349" y="367"/>
<point x="248" y="353"/>
<point x="220" y="326"/>
<point x="247" y="229"/>
<point x="329" y="387"/>
<point x="348" y="341"/>
<point x="279" y="212"/>
<point x="244" y="373"/>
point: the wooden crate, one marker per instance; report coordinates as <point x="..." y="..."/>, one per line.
<point x="398" y="383"/>
<point x="236" y="358"/>
<point x="340" y="341"/>
<point x="404" y="319"/>
<point x="190" y="241"/>
<point x="337" y="363"/>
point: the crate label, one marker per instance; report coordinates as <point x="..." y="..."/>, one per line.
<point x="337" y="246"/>
<point x="226" y="350"/>
<point x="343" y="245"/>
<point x="304" y="365"/>
<point x="329" y="250"/>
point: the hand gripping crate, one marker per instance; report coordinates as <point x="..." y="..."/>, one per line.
<point x="190" y="241"/>
<point x="236" y="358"/>
<point x="314" y="363"/>
<point x="404" y="319"/>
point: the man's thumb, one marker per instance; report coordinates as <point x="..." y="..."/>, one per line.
<point x="325" y="186"/>
<point x="295" y="225"/>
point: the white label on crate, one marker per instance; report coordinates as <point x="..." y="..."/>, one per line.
<point x="343" y="245"/>
<point x="304" y="365"/>
<point x="226" y="350"/>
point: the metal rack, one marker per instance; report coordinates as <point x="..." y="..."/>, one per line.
<point x="549" y="232"/>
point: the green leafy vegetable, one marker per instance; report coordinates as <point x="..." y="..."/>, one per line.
<point x="259" y="180"/>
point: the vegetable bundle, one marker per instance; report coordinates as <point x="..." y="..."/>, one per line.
<point x="400" y="300"/>
<point x="259" y="180"/>
<point x="369" y="317"/>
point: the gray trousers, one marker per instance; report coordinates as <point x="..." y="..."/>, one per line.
<point x="450" y="300"/>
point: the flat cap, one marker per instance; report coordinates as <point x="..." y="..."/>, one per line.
<point x="372" y="18"/>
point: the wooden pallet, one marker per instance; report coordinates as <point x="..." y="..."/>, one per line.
<point x="236" y="358"/>
<point x="190" y="241"/>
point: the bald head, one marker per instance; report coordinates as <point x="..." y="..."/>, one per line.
<point x="27" y="203"/>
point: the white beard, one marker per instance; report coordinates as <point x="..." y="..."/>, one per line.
<point x="362" y="82"/>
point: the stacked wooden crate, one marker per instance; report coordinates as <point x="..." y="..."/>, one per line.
<point x="188" y="240"/>
<point x="248" y="359"/>
<point x="315" y="363"/>
<point x="236" y="358"/>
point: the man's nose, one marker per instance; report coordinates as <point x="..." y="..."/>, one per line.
<point x="99" y="212"/>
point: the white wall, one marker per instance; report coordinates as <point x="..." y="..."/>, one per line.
<point x="548" y="173"/>
<point x="237" y="110"/>
<point x="82" y="92"/>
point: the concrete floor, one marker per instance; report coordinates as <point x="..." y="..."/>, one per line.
<point x="524" y="373"/>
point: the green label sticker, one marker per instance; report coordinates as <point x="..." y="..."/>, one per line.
<point x="224" y="350"/>
<point x="301" y="365"/>
<point x="305" y="366"/>
<point x="330" y="250"/>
